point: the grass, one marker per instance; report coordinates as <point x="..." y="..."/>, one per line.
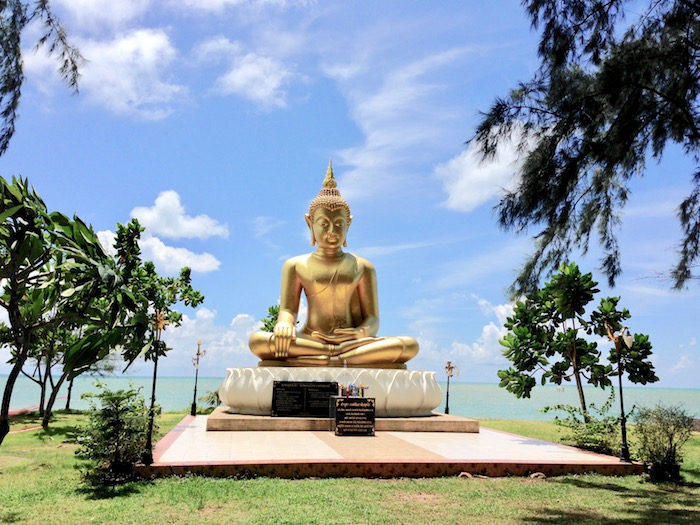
<point x="40" y="484"/>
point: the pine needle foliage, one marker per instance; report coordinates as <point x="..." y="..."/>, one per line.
<point x="618" y="83"/>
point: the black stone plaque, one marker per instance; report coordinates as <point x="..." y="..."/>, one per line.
<point x="354" y="416"/>
<point x="302" y="398"/>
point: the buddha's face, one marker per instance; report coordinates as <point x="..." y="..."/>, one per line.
<point x="329" y="227"/>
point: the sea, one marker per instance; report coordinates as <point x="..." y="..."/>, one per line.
<point x="475" y="400"/>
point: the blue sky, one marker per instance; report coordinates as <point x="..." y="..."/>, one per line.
<point x="212" y="122"/>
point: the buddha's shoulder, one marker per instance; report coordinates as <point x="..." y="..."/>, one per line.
<point x="304" y="259"/>
<point x="361" y="261"/>
<point x="296" y="260"/>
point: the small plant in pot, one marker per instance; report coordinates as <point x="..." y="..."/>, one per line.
<point x="661" y="433"/>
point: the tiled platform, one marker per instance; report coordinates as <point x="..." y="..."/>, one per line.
<point x="189" y="448"/>
<point x="222" y="420"/>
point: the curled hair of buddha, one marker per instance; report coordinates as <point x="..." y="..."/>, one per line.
<point x="329" y="197"/>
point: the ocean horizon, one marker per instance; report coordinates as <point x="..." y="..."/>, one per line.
<point x="475" y="400"/>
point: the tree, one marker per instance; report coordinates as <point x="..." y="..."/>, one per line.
<point x="115" y="436"/>
<point x="546" y="337"/>
<point x="157" y="297"/>
<point x="15" y="15"/>
<point x="44" y="358"/>
<point x="605" y="97"/>
<point x="48" y="264"/>
<point x="56" y="274"/>
<point x="270" y="321"/>
<point x="162" y="293"/>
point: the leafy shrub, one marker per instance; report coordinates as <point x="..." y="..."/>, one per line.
<point x="661" y="433"/>
<point x="115" y="437"/>
<point x="210" y="398"/>
<point x="599" y="434"/>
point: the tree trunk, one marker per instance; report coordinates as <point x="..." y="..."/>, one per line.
<point x="581" y="396"/>
<point x="42" y="396"/>
<point x="52" y="400"/>
<point x="577" y="378"/>
<point x="148" y="454"/>
<point x="7" y="395"/>
<point x="48" y="380"/>
<point x="70" y="391"/>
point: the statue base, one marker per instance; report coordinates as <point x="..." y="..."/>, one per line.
<point x="397" y="393"/>
<point x="290" y="364"/>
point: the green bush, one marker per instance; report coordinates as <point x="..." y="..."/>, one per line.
<point x="599" y="434"/>
<point x="115" y="437"/>
<point x="661" y="433"/>
<point x="210" y="398"/>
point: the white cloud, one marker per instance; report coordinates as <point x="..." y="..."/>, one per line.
<point x="470" y="183"/>
<point x="501" y="311"/>
<point x="40" y="68"/>
<point x="94" y="15"/>
<point x="215" y="49"/>
<point x="476" y="268"/>
<point x="253" y="75"/>
<point x="391" y="249"/>
<point x="258" y="78"/>
<point x="263" y="226"/>
<point x="685" y="362"/>
<point x="398" y="115"/>
<point x="217" y="6"/>
<point x="168" y="218"/>
<point x="486" y="350"/>
<point x="107" y="238"/>
<point x="170" y="260"/>
<point x="126" y="74"/>
<point x="216" y="338"/>
<point x="226" y="345"/>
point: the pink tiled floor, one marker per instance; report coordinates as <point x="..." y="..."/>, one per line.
<point x="190" y="447"/>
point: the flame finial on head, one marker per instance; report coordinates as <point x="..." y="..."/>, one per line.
<point x="329" y="180"/>
<point x="329" y="197"/>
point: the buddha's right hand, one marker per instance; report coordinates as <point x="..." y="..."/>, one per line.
<point x="284" y="336"/>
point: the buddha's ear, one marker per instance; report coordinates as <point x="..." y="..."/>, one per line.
<point x="345" y="242"/>
<point x="310" y="224"/>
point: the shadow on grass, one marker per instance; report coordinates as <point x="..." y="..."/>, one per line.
<point x="645" y="515"/>
<point x="650" y="504"/>
<point x="58" y="426"/>
<point x="65" y="433"/>
<point x="100" y="492"/>
<point x="694" y="472"/>
<point x="10" y="517"/>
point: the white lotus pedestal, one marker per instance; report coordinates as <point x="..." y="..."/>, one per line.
<point x="404" y="399"/>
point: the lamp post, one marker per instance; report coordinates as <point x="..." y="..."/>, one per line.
<point x="195" y="363"/>
<point x="623" y="337"/>
<point x="450" y="370"/>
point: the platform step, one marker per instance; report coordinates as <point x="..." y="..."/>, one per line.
<point x="222" y="420"/>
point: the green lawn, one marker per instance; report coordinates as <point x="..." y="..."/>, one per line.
<point x="39" y="484"/>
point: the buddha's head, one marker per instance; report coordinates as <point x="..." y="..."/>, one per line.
<point x="329" y="215"/>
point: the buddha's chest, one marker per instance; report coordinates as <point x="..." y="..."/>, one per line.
<point x="318" y="276"/>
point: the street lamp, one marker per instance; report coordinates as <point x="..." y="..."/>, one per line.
<point x="450" y="370"/>
<point x="195" y="362"/>
<point x="623" y="337"/>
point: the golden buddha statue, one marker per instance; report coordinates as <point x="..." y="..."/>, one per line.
<point x="341" y="292"/>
